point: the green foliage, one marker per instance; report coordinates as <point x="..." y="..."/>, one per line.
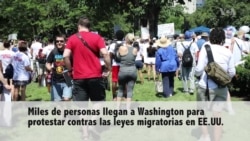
<point x="172" y="15"/>
<point x="45" y="17"/>
<point x="220" y="13"/>
<point x="242" y="80"/>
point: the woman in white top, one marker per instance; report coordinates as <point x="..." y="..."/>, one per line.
<point x="22" y="71"/>
<point x="6" y="57"/>
<point x="224" y="58"/>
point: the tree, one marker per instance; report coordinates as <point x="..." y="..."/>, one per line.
<point x="42" y="17"/>
<point x="173" y="15"/>
<point x="147" y="11"/>
<point x="221" y="13"/>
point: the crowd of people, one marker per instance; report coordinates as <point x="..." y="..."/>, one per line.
<point x="89" y="60"/>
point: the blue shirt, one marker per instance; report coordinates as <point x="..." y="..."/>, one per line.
<point x="166" y="60"/>
<point x="200" y="42"/>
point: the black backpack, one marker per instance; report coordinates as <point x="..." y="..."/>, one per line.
<point x="9" y="72"/>
<point x="115" y="57"/>
<point x="187" y="58"/>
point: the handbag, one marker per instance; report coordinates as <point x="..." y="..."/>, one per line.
<point x="158" y="86"/>
<point x="215" y="72"/>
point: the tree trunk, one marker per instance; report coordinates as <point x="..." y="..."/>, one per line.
<point x="153" y="16"/>
<point x="34" y="28"/>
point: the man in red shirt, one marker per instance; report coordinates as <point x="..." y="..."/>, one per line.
<point x="87" y="71"/>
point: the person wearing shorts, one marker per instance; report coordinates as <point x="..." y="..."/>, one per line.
<point x="150" y="61"/>
<point x="55" y="64"/>
<point x="224" y="58"/>
<point x="115" y="65"/>
<point x="22" y="72"/>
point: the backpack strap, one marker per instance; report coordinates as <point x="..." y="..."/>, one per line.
<point x="238" y="45"/>
<point x="210" y="59"/>
<point x="183" y="45"/>
<point x="188" y="46"/>
<point x="209" y="53"/>
<point x="241" y="50"/>
<point x="86" y="44"/>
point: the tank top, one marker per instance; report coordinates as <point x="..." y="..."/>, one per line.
<point x="128" y="59"/>
<point x="151" y="51"/>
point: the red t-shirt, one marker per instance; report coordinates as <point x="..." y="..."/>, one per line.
<point x="85" y="63"/>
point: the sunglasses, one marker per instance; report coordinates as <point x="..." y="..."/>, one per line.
<point x="59" y="41"/>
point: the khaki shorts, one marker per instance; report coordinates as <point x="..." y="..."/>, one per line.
<point x="218" y="98"/>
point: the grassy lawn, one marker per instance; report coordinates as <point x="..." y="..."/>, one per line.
<point x="142" y="92"/>
<point x="145" y="92"/>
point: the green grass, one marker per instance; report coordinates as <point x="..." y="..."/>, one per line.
<point x="145" y="92"/>
<point x="142" y="92"/>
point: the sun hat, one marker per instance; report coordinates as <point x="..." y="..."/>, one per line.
<point x="163" y="42"/>
<point x="245" y="28"/>
<point x="204" y="34"/>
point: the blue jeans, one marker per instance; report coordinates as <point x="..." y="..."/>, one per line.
<point x="168" y="83"/>
<point x="60" y="91"/>
<point x="187" y="74"/>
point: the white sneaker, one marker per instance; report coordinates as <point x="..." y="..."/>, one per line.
<point x="204" y="138"/>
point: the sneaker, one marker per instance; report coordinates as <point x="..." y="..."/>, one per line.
<point x="204" y="138"/>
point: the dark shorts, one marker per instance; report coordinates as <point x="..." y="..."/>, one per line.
<point x="139" y="64"/>
<point x="20" y="83"/>
<point x="85" y="89"/>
